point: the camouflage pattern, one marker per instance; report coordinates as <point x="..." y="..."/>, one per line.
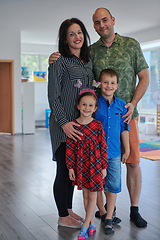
<point x="126" y="58"/>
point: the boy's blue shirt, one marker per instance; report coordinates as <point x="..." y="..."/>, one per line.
<point x="111" y="118"/>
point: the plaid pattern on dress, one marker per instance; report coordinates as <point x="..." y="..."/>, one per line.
<point x="88" y="156"/>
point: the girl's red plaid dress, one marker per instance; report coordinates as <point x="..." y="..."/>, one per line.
<point x="88" y="156"/>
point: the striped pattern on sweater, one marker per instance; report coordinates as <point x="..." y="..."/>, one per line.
<point x="63" y="75"/>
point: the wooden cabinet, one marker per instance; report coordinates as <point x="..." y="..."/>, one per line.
<point x="7" y="96"/>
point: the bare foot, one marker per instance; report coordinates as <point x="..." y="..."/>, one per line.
<point x="74" y="215"/>
<point x="69" y="221"/>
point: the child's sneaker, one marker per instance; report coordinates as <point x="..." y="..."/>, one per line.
<point x="91" y="229"/>
<point x="108" y="227"/>
<point x="116" y="220"/>
<point x="83" y="233"/>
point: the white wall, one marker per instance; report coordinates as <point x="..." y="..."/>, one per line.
<point x="10" y="49"/>
<point x="146" y="36"/>
<point x="31" y="48"/>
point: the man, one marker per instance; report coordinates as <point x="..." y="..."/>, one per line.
<point x="124" y="55"/>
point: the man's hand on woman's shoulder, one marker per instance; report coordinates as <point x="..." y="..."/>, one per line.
<point x="53" y="57"/>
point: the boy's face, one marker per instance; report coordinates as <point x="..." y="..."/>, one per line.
<point x="108" y="85"/>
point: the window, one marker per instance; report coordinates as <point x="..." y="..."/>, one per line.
<point x="148" y="103"/>
<point x="43" y="66"/>
<point x="34" y="63"/>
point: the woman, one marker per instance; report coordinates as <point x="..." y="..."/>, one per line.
<point x="67" y="76"/>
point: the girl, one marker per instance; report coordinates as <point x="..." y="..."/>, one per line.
<point x="87" y="158"/>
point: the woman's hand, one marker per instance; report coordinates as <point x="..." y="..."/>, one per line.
<point x="72" y="174"/>
<point x="71" y="132"/>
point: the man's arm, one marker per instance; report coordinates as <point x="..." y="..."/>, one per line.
<point x="141" y="87"/>
<point x="140" y="91"/>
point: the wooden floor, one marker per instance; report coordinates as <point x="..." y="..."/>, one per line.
<point x="27" y="207"/>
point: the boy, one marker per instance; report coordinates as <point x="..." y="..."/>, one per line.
<point x="109" y="113"/>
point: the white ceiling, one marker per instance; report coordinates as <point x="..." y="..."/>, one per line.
<point x="39" y="20"/>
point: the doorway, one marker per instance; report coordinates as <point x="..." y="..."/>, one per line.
<point x="7" y="96"/>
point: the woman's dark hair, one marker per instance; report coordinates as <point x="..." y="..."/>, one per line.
<point x="110" y="72"/>
<point x="63" y="46"/>
<point x="87" y="94"/>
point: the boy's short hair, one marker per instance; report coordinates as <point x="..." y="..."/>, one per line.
<point x="108" y="71"/>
